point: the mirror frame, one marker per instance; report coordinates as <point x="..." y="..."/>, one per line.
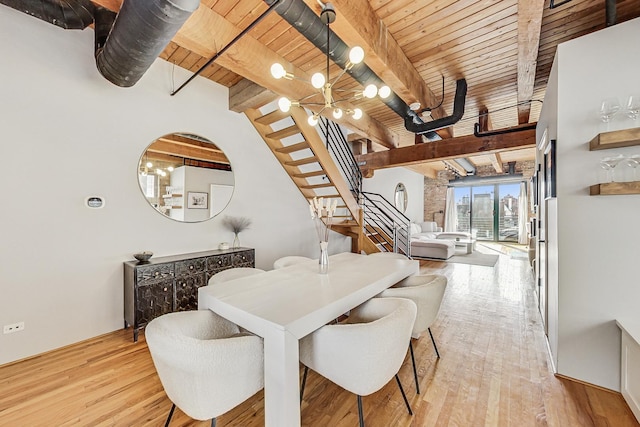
<point x="178" y="158"/>
<point x="400" y="197"/>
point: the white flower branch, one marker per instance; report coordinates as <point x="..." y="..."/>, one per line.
<point x="323" y="214"/>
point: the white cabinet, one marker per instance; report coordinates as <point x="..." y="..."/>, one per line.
<point x="630" y="365"/>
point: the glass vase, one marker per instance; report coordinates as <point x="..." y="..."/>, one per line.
<point x="236" y="241"/>
<point x="323" y="262"/>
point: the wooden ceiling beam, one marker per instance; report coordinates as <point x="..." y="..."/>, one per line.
<point x="191" y="152"/>
<point x="358" y="24"/>
<point x="252" y="59"/>
<point x="496" y="161"/>
<point x="424" y="169"/>
<point x="455" y="166"/>
<point x="452" y="148"/>
<point x="529" y="27"/>
<point x="246" y="94"/>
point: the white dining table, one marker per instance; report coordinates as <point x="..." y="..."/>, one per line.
<point x="284" y="305"/>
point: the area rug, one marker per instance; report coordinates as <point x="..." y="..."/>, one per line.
<point x="475" y="258"/>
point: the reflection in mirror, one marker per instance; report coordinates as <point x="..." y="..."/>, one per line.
<point x="401" y="197"/>
<point x="185" y="177"/>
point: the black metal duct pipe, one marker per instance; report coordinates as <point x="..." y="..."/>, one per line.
<point x="70" y="15"/>
<point x="141" y="31"/>
<point x="458" y="112"/>
<point x="611" y="12"/>
<point x="303" y="19"/>
<point x="477" y="133"/>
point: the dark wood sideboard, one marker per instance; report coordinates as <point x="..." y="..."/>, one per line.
<point x="167" y="284"/>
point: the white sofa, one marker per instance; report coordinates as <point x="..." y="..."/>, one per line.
<point x="425" y="242"/>
<point x="428" y="229"/>
<point x="423" y="247"/>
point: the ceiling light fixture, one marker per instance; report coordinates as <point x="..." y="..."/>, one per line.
<point x="321" y="81"/>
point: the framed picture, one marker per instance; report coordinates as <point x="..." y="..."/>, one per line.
<point x="550" y="170"/>
<point x="197" y="200"/>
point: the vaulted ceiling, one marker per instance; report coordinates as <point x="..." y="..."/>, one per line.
<point x="503" y="49"/>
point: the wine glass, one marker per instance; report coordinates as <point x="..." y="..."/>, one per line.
<point x="633" y="162"/>
<point x="633" y="107"/>
<point x="608" y="108"/>
<point x="609" y="164"/>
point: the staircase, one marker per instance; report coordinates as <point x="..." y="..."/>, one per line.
<point x="303" y="155"/>
<point x="317" y="172"/>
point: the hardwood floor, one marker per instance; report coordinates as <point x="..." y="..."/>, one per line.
<point x="493" y="371"/>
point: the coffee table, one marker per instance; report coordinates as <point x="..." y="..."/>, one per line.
<point x="468" y="244"/>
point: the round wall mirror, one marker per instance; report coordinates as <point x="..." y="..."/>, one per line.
<point x="185" y="177"/>
<point x="401" y="198"/>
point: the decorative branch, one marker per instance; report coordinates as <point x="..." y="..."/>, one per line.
<point x="322" y="213"/>
<point x="236" y="223"/>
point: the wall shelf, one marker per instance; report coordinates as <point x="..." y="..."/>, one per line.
<point x="615" y="188"/>
<point x="615" y="139"/>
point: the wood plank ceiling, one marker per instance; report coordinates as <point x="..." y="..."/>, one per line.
<point x="504" y="49"/>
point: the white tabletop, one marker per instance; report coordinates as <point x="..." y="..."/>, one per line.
<point x="284" y="305"/>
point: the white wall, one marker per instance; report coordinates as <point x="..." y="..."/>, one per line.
<point x="200" y="180"/>
<point x="597" y="236"/>
<point x="384" y="182"/>
<point x="67" y="133"/>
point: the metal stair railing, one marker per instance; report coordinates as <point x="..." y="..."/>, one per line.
<point x="390" y="225"/>
<point x="384" y="224"/>
<point x="342" y="153"/>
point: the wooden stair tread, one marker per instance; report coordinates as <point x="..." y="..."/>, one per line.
<point x="283" y="133"/>
<point x="312" y="186"/>
<point x="293" y="147"/>
<point x="272" y="117"/>
<point x="304" y="161"/>
<point x="309" y="174"/>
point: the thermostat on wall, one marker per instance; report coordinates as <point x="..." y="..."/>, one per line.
<point x="94" y="202"/>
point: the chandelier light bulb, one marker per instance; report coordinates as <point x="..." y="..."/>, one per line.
<point x="284" y="104"/>
<point x="312" y="120"/>
<point x="337" y="113"/>
<point x="318" y="80"/>
<point x="149" y="164"/>
<point x="356" y="55"/>
<point x="170" y="168"/>
<point x="370" y="91"/>
<point x="357" y="113"/>
<point x="384" y="91"/>
<point x="278" y="71"/>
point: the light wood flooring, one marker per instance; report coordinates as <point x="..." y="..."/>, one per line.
<point x="493" y="371"/>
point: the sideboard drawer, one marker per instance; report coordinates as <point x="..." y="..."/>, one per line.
<point x="190" y="266"/>
<point x="152" y="273"/>
<point x="219" y="262"/>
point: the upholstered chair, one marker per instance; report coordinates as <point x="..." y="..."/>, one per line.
<point x="289" y="260"/>
<point x="427" y="292"/>
<point x="394" y="255"/>
<point x="233" y="273"/>
<point x="206" y="366"/>
<point x="364" y="353"/>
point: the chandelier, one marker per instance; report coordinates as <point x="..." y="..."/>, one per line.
<point x="322" y="82"/>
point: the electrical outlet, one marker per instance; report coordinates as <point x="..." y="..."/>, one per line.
<point x="14" y="327"/>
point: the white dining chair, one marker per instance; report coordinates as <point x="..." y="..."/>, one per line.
<point x="233" y="273"/>
<point x="289" y="260"/>
<point x="427" y="292"/>
<point x="393" y="255"/>
<point x="364" y="353"/>
<point x="205" y="364"/>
